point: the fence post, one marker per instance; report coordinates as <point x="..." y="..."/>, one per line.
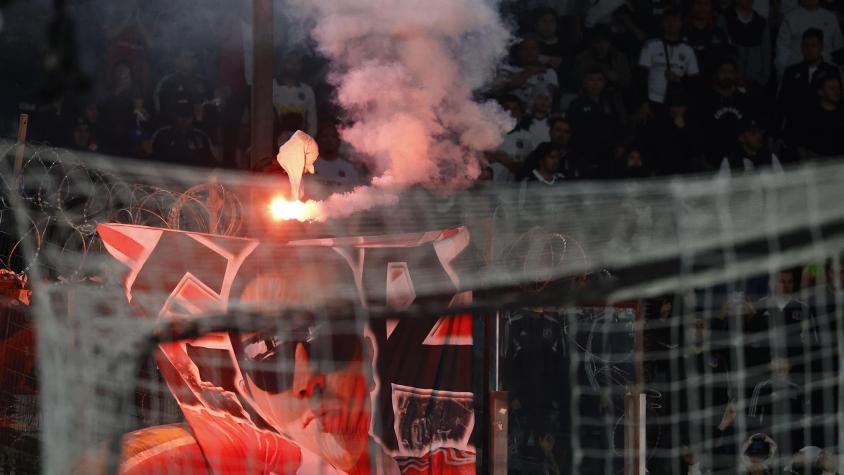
<point x="23" y="124"/>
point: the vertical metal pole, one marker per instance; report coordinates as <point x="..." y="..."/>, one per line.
<point x="498" y="403"/>
<point x="262" y="80"/>
<point x="635" y="442"/>
<point x="19" y="153"/>
<point x="480" y="390"/>
<point x="496" y="346"/>
<point x="634" y="433"/>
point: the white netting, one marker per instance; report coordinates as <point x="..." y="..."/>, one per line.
<point x="698" y="260"/>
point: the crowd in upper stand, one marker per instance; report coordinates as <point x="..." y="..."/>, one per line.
<point x="647" y="88"/>
<point x="598" y="90"/>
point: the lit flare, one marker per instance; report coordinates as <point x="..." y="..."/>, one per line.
<point x="282" y="209"/>
<point x="297" y="157"/>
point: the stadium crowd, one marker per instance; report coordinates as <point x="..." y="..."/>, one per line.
<point x="605" y="89"/>
<point x="598" y="90"/>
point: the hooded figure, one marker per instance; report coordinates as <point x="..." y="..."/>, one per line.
<point x="297" y="156"/>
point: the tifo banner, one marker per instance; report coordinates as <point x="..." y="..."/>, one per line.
<point x="384" y="396"/>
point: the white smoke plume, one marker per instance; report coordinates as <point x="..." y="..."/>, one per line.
<point x="406" y="71"/>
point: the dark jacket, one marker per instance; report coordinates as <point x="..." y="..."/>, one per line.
<point x="674" y="150"/>
<point x="797" y="95"/>
<point x="721" y="117"/>
<point x="595" y="130"/>
<point x="190" y="147"/>
<point x="752" y="42"/>
<point x="821" y="132"/>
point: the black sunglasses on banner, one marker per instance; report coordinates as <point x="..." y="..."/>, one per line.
<point x="268" y="357"/>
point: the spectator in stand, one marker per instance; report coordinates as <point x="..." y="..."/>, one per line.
<point x="184" y="83"/>
<point x="332" y="171"/>
<point x="752" y="152"/>
<point x="571" y="166"/>
<point x="539" y="120"/>
<point x="141" y="133"/>
<point x="798" y="92"/>
<point x="506" y="162"/>
<point x="291" y="95"/>
<point x="527" y="77"/>
<point x="595" y="125"/>
<point x="667" y="61"/>
<point x="601" y="12"/>
<point x="648" y="15"/>
<point x="286" y="124"/>
<point x="783" y="322"/>
<point x="543" y="165"/>
<point x="536" y="356"/>
<point x="182" y="143"/>
<point x="554" y="51"/>
<point x="826" y="298"/>
<point x="614" y="63"/>
<point x="284" y="127"/>
<point x="633" y="163"/>
<point x="674" y="139"/>
<point x="749" y="33"/>
<point x="824" y="303"/>
<point x="129" y="45"/>
<point x="627" y="35"/>
<point x="825" y="398"/>
<point x="823" y="124"/>
<point x="808" y="15"/>
<point x="82" y="138"/>
<point x="619" y="15"/>
<point x="722" y="110"/>
<point x="120" y="116"/>
<point x="778" y="406"/>
<point x="702" y="33"/>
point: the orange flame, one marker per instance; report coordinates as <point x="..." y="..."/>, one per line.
<point x="282" y="209"/>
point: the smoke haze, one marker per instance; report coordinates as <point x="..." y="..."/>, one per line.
<point x="405" y="72"/>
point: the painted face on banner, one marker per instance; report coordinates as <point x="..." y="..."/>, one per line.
<point x="314" y="389"/>
<point x="310" y="382"/>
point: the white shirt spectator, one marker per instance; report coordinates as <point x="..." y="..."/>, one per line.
<point x="541" y="130"/>
<point x="331" y="176"/>
<point x="798" y="21"/>
<point x="518" y="144"/>
<point x="683" y="63"/>
<point x="299" y="99"/>
<point x="545" y="82"/>
<point x="337" y="172"/>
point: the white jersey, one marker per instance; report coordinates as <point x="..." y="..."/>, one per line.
<point x="337" y="172"/>
<point x="683" y="63"/>
<point x="537" y="84"/>
<point x="518" y="144"/>
<point x="299" y="99"/>
<point x="541" y="130"/>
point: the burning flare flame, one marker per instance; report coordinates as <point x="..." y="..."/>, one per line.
<point x="296" y="157"/>
<point x="282" y="209"/>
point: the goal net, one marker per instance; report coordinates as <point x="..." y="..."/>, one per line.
<point x="185" y="325"/>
